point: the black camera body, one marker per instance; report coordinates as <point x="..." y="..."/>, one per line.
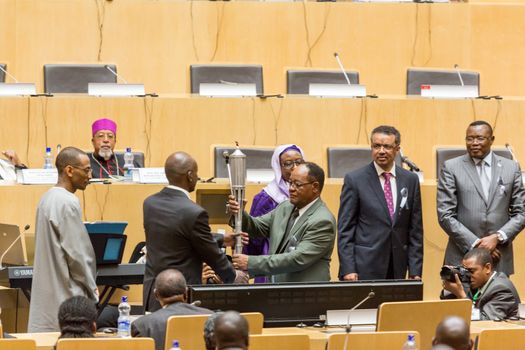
<point x="447" y="273"/>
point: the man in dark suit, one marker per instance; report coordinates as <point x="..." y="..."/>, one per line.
<point x="231" y="331"/>
<point x="177" y="231"/>
<point x="493" y="294"/>
<point x="170" y="290"/>
<point x="454" y="332"/>
<point x="480" y="200"/>
<point x="380" y="222"/>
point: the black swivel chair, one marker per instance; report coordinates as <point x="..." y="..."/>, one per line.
<point x="256" y="158"/>
<point x="74" y="78"/>
<point x="234" y="73"/>
<point x="343" y="159"/>
<point x="445" y="153"/>
<point x="417" y="77"/>
<point x="298" y="81"/>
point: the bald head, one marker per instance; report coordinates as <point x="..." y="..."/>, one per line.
<point x="181" y="170"/>
<point x="231" y="331"/>
<point x="170" y="287"/>
<point x="454" y="332"/>
<point x="68" y="156"/>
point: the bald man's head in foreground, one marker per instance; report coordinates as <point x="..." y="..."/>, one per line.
<point x="454" y="332"/>
<point x="231" y="331"/>
<point x="181" y="171"/>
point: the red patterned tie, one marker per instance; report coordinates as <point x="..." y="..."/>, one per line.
<point x="388" y="194"/>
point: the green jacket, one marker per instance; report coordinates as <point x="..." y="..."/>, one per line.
<point x="315" y="232"/>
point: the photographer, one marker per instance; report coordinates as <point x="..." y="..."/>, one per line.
<point x="493" y="295"/>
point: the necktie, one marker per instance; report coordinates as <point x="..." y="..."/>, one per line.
<point x="289" y="225"/>
<point x="484" y="178"/>
<point x="388" y="194"/>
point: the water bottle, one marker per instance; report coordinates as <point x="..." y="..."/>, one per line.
<point x="48" y="159"/>
<point x="175" y="345"/>
<point x="410" y="344"/>
<point x="128" y="164"/>
<point x="123" y="318"/>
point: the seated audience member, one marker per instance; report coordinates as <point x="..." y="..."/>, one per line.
<point x="77" y="318"/>
<point x="284" y="159"/>
<point x="9" y="165"/>
<point x="209" y="332"/>
<point x="231" y="331"/>
<point x="454" y="332"/>
<point x="170" y="290"/>
<point x="104" y="162"/>
<point x="493" y="294"/>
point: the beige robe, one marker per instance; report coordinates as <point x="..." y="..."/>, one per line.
<point x="65" y="263"/>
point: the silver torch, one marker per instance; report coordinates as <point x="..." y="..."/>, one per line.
<point x="236" y="164"/>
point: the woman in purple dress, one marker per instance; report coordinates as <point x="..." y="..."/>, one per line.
<point x="285" y="158"/>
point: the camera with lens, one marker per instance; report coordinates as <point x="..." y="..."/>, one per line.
<point x="447" y="273"/>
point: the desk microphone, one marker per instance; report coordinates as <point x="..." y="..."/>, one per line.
<point x="411" y="164"/>
<point x="342" y="68"/>
<point x="511" y="151"/>
<point x="370" y="295"/>
<point x="9" y="75"/>
<point x="115" y="74"/>
<point x="456" y="67"/>
<point x="26" y="227"/>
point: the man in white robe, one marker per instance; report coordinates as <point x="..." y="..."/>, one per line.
<point x="65" y="263"/>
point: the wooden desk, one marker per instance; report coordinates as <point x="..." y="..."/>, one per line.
<point x="379" y="40"/>
<point x="160" y="126"/>
<point x="124" y="202"/>
<point x="318" y="336"/>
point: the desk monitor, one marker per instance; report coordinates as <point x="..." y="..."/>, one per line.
<point x="17" y="254"/>
<point x="287" y="304"/>
<point x="108" y="241"/>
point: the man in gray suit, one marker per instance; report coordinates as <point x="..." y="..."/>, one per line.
<point x="493" y="294"/>
<point x="480" y="200"/>
<point x="301" y="232"/>
<point x="170" y="290"/>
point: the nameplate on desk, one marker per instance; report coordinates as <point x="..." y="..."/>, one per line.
<point x="357" y="317"/>
<point x="17" y="89"/>
<point x="259" y="175"/>
<point x="337" y="90"/>
<point x="227" y="90"/>
<point x="115" y="90"/>
<point x="37" y="176"/>
<point x="149" y="176"/>
<point x="449" y="91"/>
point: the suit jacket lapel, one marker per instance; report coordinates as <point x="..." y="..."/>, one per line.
<point x="472" y="172"/>
<point x="301" y="221"/>
<point x="279" y="234"/>
<point x="375" y="184"/>
<point x="400" y="184"/>
<point x="496" y="170"/>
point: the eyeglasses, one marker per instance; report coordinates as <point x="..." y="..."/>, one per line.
<point x="86" y="170"/>
<point x="377" y="147"/>
<point x="298" y="185"/>
<point x="480" y="139"/>
<point x="289" y="164"/>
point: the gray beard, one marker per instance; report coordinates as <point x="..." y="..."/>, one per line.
<point x="106" y="154"/>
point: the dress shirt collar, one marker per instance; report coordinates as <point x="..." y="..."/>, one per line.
<point x="306" y="207"/>
<point x="177" y="188"/>
<point x="380" y="170"/>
